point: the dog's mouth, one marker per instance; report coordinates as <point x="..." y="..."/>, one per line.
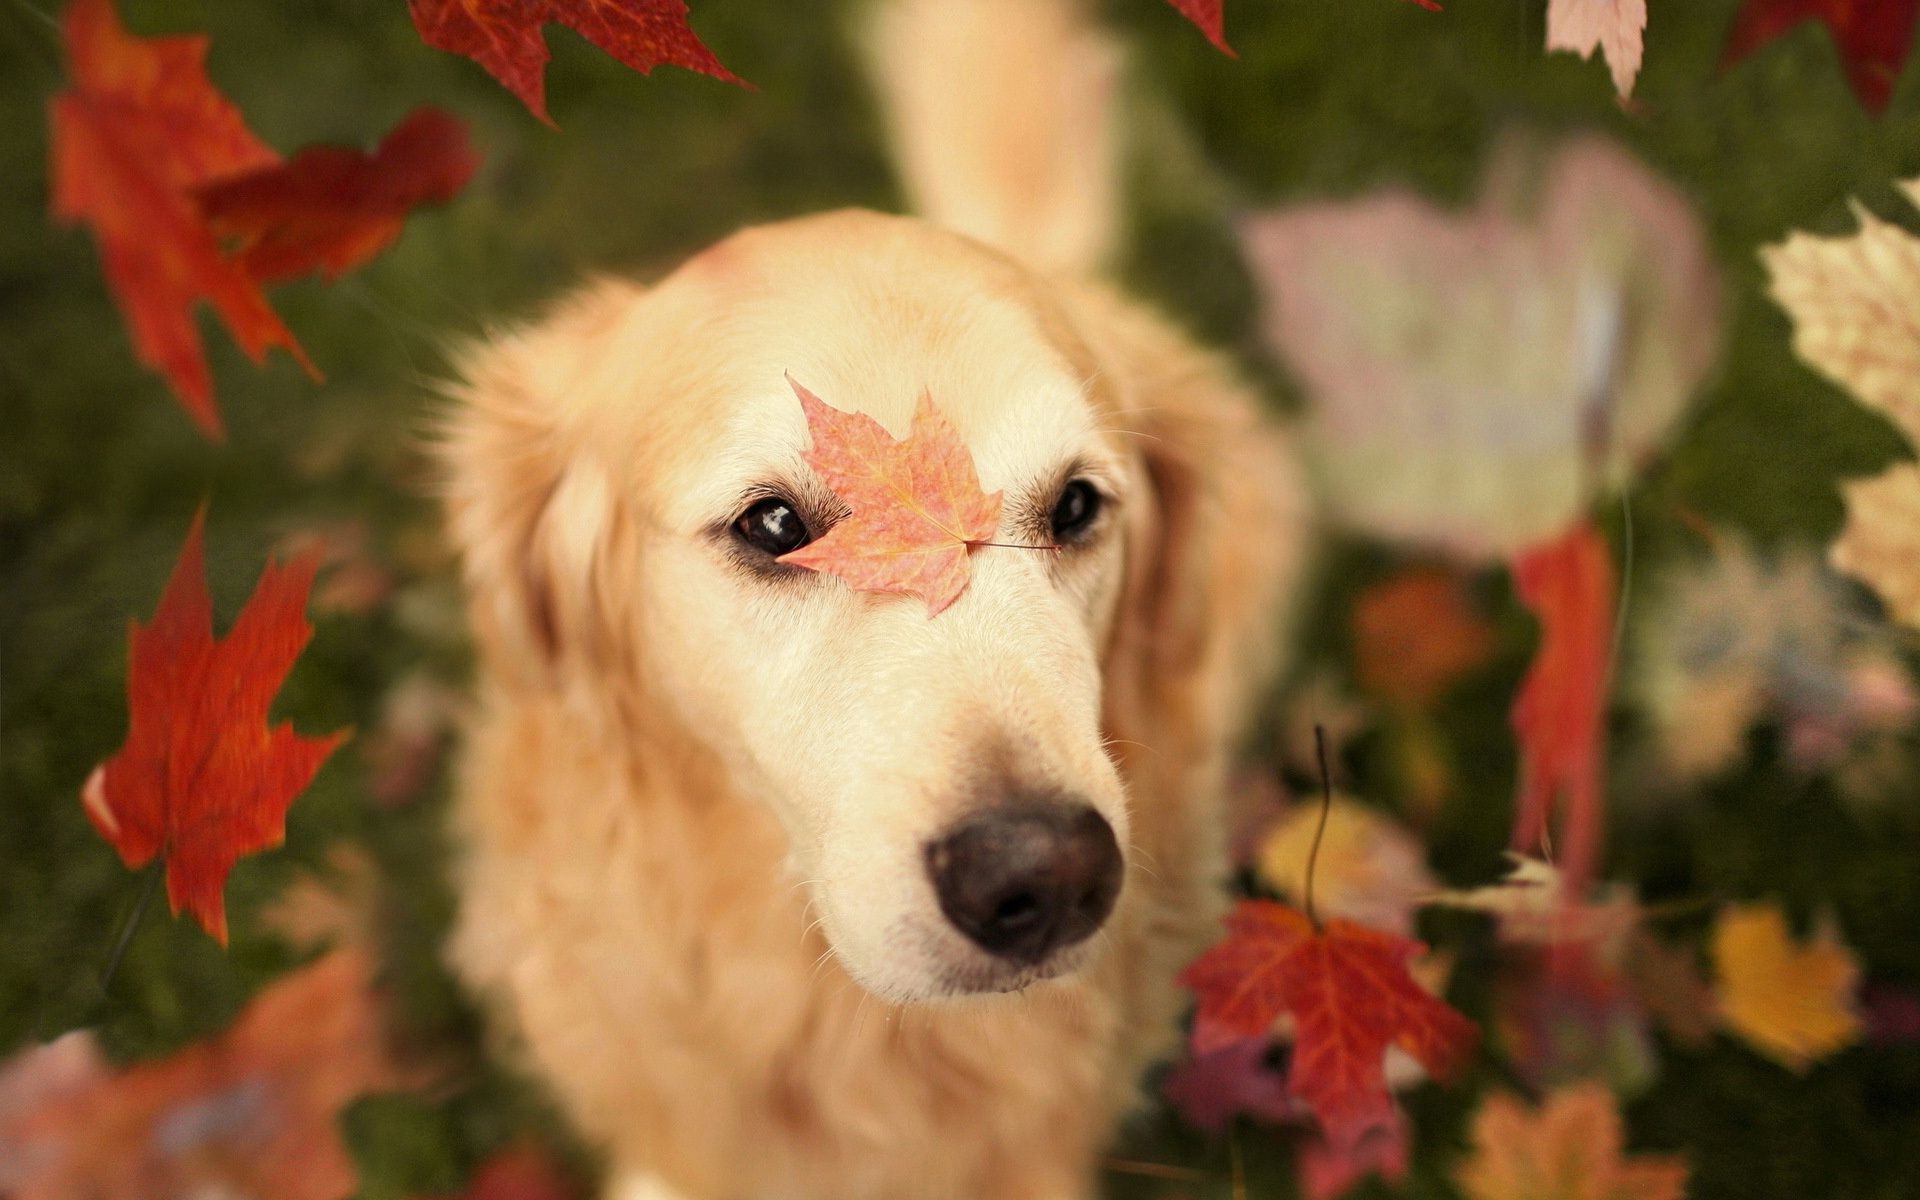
<point x="1000" y="978"/>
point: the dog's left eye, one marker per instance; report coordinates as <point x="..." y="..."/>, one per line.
<point x="1075" y="511"/>
<point x="772" y="527"/>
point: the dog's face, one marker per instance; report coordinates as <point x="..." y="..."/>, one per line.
<point x="944" y="782"/>
<point x="943" y="779"/>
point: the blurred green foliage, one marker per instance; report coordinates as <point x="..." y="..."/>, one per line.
<point x="100" y="474"/>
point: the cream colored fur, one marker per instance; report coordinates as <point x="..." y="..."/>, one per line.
<point x="694" y="803"/>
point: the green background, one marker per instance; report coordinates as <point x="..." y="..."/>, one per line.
<point x="100" y="474"/>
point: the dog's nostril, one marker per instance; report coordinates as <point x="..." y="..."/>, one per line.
<point x="1021" y="908"/>
<point x="1024" y="881"/>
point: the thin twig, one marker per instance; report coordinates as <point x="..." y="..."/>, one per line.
<point x="132" y="922"/>
<point x="1319" y="830"/>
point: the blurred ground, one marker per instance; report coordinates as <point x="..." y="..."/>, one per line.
<point x="100" y="475"/>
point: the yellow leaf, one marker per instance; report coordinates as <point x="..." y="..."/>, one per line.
<point x="1855" y="303"/>
<point x="1569" y="1149"/>
<point x="1881" y="542"/>
<point x="1791" y="1001"/>
<point x="1370" y="869"/>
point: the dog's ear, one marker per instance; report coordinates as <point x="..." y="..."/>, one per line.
<point x="1214" y="551"/>
<point x="532" y="502"/>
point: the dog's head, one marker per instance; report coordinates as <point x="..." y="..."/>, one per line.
<point x="627" y="474"/>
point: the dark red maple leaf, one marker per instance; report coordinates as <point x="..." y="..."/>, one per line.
<point x="140" y="129"/>
<point x="1213" y="1088"/>
<point x="1874" y="37"/>
<point x="202" y="778"/>
<point x="1351" y="998"/>
<point x="1211" y="18"/>
<point x="1559" y="715"/>
<point x="331" y="208"/>
<point x="504" y="36"/>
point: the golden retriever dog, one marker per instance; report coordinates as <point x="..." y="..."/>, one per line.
<point x="789" y="890"/>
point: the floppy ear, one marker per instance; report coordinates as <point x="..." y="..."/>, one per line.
<point x="1214" y="554"/>
<point x="532" y="501"/>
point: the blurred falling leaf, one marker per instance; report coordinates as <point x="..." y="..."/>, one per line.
<point x="1417" y="633"/>
<point x="1559" y="715"/>
<point x="1477" y="377"/>
<point x="1616" y="27"/>
<point x="39" y="1078"/>
<point x="331" y="208"/>
<point x="1329" y="1169"/>
<point x="1736" y="637"/>
<point x="1880" y="545"/>
<point x="1370" y="869"/>
<point x="403" y="751"/>
<point x="1842" y="293"/>
<point x="248" y="1114"/>
<point x="1532" y="909"/>
<point x="1566" y="1012"/>
<point x="1211" y="1089"/>
<point x="1872" y="36"/>
<point x="523" y="1171"/>
<point x="1792" y="1001"/>
<point x="339" y="908"/>
<point x="352" y="580"/>
<point x="1571" y="1148"/>
<point x="506" y="37"/>
<point x="1672" y="985"/>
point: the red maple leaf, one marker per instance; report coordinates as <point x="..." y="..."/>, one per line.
<point x="1211" y="18"/>
<point x="504" y="36"/>
<point x="1351" y="998"/>
<point x="202" y="779"/>
<point x="331" y="208"/>
<point x="249" y="1112"/>
<point x="916" y="506"/>
<point x="1559" y="714"/>
<point x="1873" y="37"/>
<point x="138" y="132"/>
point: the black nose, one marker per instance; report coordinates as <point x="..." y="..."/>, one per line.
<point x="1025" y="881"/>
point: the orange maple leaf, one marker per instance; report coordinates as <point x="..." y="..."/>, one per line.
<point x="138" y="132"/>
<point x="202" y="779"/>
<point x="1571" y="1148"/>
<point x="250" y="1112"/>
<point x="1416" y="634"/>
<point x="1560" y="712"/>
<point x="916" y="505"/>
<point x="331" y="208"/>
<point x="504" y="36"/>
<point x="1351" y="997"/>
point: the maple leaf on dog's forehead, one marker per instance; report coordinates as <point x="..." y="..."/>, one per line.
<point x="916" y="505"/>
<point x="1351" y="997"/>
<point x="504" y="36"/>
<point x="202" y="778"/>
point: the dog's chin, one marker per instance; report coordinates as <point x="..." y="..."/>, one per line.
<point x="969" y="974"/>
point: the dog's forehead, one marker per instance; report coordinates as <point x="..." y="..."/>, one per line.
<point x="1017" y="402"/>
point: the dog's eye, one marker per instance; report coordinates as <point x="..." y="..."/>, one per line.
<point x="1075" y="511"/>
<point x="771" y="526"/>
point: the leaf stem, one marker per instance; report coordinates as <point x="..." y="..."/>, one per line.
<point x="1319" y="830"/>
<point x="132" y="922"/>
<point x="1054" y="546"/>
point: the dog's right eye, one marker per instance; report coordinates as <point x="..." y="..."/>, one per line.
<point x="772" y="527"/>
